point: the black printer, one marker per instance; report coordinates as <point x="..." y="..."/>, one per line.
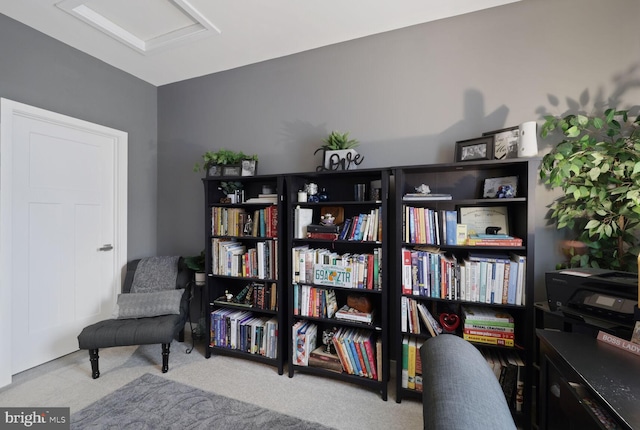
<point x="587" y="292"/>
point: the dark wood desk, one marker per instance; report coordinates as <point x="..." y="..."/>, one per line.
<point x="610" y="377"/>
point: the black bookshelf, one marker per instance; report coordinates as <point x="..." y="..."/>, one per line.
<point x="224" y="224"/>
<point x="339" y="188"/>
<point x="465" y="181"/>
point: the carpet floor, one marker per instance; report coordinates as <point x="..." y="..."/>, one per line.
<point x="153" y="402"/>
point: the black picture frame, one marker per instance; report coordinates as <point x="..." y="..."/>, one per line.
<point x="505" y="142"/>
<point x="479" y="148"/>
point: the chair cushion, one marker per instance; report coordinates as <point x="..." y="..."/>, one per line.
<point x="155" y="274"/>
<point x="141" y="305"/>
<point x="124" y="332"/>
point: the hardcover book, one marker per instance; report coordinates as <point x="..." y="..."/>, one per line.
<point x="351" y="314"/>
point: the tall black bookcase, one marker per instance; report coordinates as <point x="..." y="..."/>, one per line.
<point x="337" y="195"/>
<point x="244" y="245"/>
<point x="465" y="182"/>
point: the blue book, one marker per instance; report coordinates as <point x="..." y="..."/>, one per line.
<point x="513" y="283"/>
<point x="451" y="222"/>
<point x="354" y="353"/>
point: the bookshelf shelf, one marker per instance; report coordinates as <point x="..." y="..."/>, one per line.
<point x="439" y="286"/>
<point x="373" y="282"/>
<point x="243" y="245"/>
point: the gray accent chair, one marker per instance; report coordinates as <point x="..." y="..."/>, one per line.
<point x="161" y="329"/>
<point x="460" y="391"/>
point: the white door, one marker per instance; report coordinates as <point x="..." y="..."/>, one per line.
<point x="62" y="202"/>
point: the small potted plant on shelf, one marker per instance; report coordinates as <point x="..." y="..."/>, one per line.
<point x="231" y="189"/>
<point x="339" y="152"/>
<point x="225" y="162"/>
<point x="197" y="264"/>
<point x="597" y="166"/>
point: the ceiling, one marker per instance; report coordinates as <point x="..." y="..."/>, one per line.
<point x="165" y="41"/>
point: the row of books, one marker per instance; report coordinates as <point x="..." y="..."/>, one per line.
<point x="314" y="302"/>
<point x="441" y="227"/>
<point x="509" y="369"/>
<point x="232" y="258"/>
<point x="241" y="330"/>
<point x="480" y="277"/>
<point x="303" y="339"/>
<point x="429" y="226"/>
<point x="412" y="313"/>
<point x="488" y="326"/>
<point x="237" y="222"/>
<point x="359" y="351"/>
<point x="326" y="267"/>
<point x="411" y="363"/>
<point x="363" y="227"/>
<point x="309" y="301"/>
<point x="262" y="296"/>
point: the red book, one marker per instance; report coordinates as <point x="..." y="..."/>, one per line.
<point x="274" y="221"/>
<point x="326" y="236"/>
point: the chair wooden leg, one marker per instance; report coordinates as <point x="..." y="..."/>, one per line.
<point x="165" y="357"/>
<point x="93" y="357"/>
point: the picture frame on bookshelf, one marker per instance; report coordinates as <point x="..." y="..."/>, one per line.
<point x="500" y="188"/>
<point x="478" y="218"/>
<point x="505" y="142"/>
<point x="480" y="148"/>
<point x="231" y="170"/>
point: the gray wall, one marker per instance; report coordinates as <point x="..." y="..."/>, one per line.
<point x="407" y="95"/>
<point x="40" y="71"/>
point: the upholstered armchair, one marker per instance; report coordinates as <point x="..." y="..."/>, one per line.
<point x="153" y="308"/>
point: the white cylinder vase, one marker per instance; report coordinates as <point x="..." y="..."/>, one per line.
<point x="527" y="139"/>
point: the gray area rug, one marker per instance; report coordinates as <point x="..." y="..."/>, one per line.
<point x="152" y="402"/>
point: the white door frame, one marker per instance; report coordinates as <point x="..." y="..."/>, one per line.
<point x="8" y="110"/>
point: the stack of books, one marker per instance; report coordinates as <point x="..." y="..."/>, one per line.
<point x="493" y="240"/>
<point x="319" y="357"/>
<point x="350" y="314"/>
<point x="322" y="231"/>
<point x="488" y="326"/>
<point x="426" y="197"/>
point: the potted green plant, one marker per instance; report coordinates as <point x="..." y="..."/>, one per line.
<point x="339" y="151"/>
<point x="231" y="190"/>
<point x="197" y="264"/>
<point x="597" y="166"/>
<point x="225" y="162"/>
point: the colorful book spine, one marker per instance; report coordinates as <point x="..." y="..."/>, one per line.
<point x="488" y="340"/>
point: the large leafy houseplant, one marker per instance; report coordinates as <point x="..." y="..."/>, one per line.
<point x="597" y="166"/>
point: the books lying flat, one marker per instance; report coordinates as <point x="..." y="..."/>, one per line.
<point x="322" y="228"/>
<point x="351" y="314"/>
<point x="426" y="197"/>
<point x="319" y="357"/>
<point x="493" y="240"/>
<point x="488" y="340"/>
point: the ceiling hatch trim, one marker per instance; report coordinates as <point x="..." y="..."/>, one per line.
<point x="199" y="26"/>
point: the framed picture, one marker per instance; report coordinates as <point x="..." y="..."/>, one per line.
<point x="231" y="170"/>
<point x="478" y="218"/>
<point x="480" y="148"/>
<point x="500" y="188"/>
<point x="505" y="142"/>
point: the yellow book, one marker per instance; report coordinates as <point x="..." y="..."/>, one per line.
<point x="411" y="362"/>
<point x="488" y="340"/>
